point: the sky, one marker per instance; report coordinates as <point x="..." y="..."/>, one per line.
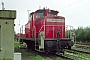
<point x="76" y="12"/>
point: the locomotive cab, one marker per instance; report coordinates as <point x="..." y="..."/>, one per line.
<point x="53" y="13"/>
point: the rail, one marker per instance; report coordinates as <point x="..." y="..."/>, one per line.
<point x="80" y="55"/>
<point x="64" y="57"/>
<point x="77" y="51"/>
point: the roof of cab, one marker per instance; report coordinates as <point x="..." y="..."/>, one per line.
<point x="39" y="10"/>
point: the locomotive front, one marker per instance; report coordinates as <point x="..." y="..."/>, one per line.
<point x="52" y="33"/>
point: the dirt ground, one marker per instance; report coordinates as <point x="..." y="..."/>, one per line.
<point x="23" y="55"/>
<point x="32" y="55"/>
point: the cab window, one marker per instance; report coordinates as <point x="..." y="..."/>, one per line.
<point x="39" y="15"/>
<point x="51" y="14"/>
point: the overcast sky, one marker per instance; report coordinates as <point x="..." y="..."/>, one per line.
<point x="76" y="12"/>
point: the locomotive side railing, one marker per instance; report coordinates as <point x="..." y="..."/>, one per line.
<point x="22" y="31"/>
<point x="34" y="28"/>
<point x="68" y="30"/>
<point x="41" y="28"/>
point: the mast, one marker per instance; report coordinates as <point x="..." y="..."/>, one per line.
<point x="3" y="6"/>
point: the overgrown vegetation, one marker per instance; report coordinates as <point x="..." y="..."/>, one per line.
<point x="32" y="55"/>
<point x="83" y="34"/>
<point x="79" y="56"/>
<point x="16" y="44"/>
<point x="6" y="59"/>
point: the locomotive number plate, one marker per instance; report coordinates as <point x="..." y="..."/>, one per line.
<point x="55" y="20"/>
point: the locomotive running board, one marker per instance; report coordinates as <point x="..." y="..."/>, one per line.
<point x="58" y="38"/>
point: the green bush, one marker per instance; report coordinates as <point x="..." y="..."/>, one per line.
<point x="6" y="59"/>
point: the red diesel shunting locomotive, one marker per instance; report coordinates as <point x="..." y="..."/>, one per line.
<point x="46" y="31"/>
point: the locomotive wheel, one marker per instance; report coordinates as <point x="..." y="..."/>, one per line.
<point x="28" y="46"/>
<point x="69" y="47"/>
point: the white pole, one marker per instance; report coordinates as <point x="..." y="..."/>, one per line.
<point x="22" y="29"/>
<point x="19" y="30"/>
<point x="3" y="6"/>
<point x="28" y="14"/>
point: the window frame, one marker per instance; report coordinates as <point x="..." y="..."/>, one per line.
<point x="39" y="14"/>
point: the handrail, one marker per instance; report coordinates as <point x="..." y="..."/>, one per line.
<point x="66" y="26"/>
<point x="41" y="28"/>
<point x="35" y="35"/>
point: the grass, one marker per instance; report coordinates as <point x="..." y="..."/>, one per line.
<point x="87" y="56"/>
<point x="6" y="59"/>
<point x="16" y="44"/>
<point x="81" y="56"/>
<point x="58" y="58"/>
<point x="38" y="57"/>
<point x="32" y="55"/>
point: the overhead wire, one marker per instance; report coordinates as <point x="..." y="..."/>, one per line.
<point x="77" y="15"/>
<point x="77" y="8"/>
<point x="71" y="4"/>
<point x="80" y="13"/>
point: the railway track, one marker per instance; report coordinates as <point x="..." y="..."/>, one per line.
<point x="82" y="46"/>
<point x="65" y="57"/>
<point x="78" y="54"/>
<point x="70" y="55"/>
<point x="49" y="56"/>
<point x="83" y="43"/>
<point x="52" y="56"/>
<point x="77" y="51"/>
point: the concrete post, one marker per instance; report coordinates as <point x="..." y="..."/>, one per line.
<point x="7" y="34"/>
